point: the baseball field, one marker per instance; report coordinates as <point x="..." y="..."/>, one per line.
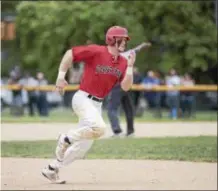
<point x="163" y="155"/>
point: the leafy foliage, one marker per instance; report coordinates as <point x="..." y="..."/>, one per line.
<point x="184" y="32"/>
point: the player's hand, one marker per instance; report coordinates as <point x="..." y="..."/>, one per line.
<point x="131" y="59"/>
<point x="60" y="85"/>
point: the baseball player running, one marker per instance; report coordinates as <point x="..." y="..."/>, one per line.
<point x="103" y="69"/>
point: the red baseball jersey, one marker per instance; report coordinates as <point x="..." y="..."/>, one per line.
<point x="101" y="72"/>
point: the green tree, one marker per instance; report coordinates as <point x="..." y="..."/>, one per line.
<point x="187" y="29"/>
<point x="185" y="32"/>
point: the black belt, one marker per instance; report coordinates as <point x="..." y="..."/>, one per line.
<point x="94" y="98"/>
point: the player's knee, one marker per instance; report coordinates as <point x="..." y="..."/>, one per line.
<point x="99" y="129"/>
<point x="97" y="132"/>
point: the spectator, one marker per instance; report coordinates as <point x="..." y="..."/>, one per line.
<point x="32" y="94"/>
<point x="187" y="97"/>
<point x="137" y="79"/>
<point x="159" y="94"/>
<point x="16" y="72"/>
<point x="17" y="108"/>
<point x="42" y="102"/>
<point x="173" y="80"/>
<point x="149" y="82"/>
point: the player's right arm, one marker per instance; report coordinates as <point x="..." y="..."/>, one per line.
<point x="76" y="54"/>
<point x="65" y="64"/>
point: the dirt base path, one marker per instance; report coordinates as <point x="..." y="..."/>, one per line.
<point x="110" y="175"/>
<point x="25" y="174"/>
<point x="46" y="131"/>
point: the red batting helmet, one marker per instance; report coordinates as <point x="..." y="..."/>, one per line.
<point x="116" y="31"/>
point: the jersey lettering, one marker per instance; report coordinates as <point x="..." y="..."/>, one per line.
<point x="101" y="69"/>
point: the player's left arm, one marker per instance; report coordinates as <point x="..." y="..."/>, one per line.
<point x="127" y="81"/>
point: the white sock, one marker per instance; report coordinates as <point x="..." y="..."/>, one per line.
<point x="56" y="164"/>
<point x="76" y="151"/>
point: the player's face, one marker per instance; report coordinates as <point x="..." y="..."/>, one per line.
<point x="121" y="44"/>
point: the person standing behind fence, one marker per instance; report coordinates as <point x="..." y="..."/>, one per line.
<point x="159" y="94"/>
<point x="42" y="102"/>
<point x="32" y="95"/>
<point x="137" y="79"/>
<point x="149" y="81"/>
<point x="152" y="97"/>
<point x="187" y="97"/>
<point x="17" y="101"/>
<point x="173" y="80"/>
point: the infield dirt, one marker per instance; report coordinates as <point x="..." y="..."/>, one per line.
<point x="25" y="173"/>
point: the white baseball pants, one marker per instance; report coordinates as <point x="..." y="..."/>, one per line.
<point x="91" y="126"/>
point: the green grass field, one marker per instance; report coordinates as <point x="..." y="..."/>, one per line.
<point x="63" y="115"/>
<point x="202" y="148"/>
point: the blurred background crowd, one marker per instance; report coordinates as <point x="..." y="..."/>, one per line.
<point x="184" y="52"/>
<point x="35" y="102"/>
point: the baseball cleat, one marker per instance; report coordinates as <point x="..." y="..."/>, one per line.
<point x="62" y="146"/>
<point x="52" y="175"/>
